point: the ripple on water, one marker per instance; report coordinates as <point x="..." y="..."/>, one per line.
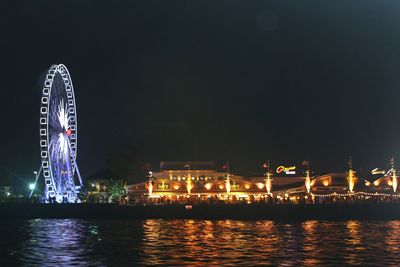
<point x="198" y="243"/>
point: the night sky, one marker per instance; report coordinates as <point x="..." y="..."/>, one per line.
<point x="244" y="81"/>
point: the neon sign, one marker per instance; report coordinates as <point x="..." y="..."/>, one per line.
<point x="286" y="170"/>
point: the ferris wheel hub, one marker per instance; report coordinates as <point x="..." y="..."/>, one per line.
<point x="68" y="132"/>
<point x="58" y="136"/>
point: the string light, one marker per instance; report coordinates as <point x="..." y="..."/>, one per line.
<point x="334" y="194"/>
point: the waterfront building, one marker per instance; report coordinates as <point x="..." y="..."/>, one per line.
<point x="97" y="185"/>
<point x="208" y="181"/>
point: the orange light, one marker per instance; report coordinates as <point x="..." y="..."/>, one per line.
<point x="208" y="186"/>
<point x="325" y="183"/>
<point x="268" y="184"/>
<point x="221" y="186"/>
<point x="308" y="184"/>
<point x="260" y="185"/>
<point x="228" y="185"/>
<point x="189" y="186"/>
<point x="176" y="187"/>
<point x="394" y="182"/>
<point x="351" y="180"/>
<point x="247" y="186"/>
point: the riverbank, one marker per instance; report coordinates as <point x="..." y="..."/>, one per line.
<point x="374" y="211"/>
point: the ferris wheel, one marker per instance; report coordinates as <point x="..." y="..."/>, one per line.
<point x="58" y="137"/>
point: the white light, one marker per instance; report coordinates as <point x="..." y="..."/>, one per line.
<point x="31" y="186"/>
<point x="63" y="115"/>
<point x="8" y="194"/>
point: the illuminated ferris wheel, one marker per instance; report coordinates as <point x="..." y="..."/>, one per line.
<point x="58" y="136"/>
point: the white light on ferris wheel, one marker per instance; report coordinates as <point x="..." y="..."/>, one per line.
<point x="58" y="135"/>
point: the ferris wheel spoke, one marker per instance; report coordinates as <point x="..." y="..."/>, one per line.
<point x="58" y="126"/>
<point x="54" y="122"/>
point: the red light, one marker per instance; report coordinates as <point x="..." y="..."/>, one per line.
<point x="69" y="132"/>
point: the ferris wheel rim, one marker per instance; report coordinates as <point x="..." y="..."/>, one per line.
<point x="45" y="133"/>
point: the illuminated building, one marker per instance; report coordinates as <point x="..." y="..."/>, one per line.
<point x="206" y="180"/>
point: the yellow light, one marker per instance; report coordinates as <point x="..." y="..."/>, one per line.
<point x="308" y="183"/>
<point x="208" y="186"/>
<point x="247" y="186"/>
<point x="268" y="184"/>
<point x="260" y="185"/>
<point x="221" y="186"/>
<point x="389" y="183"/>
<point x="150" y="187"/>
<point x="228" y="185"/>
<point x="394" y="182"/>
<point x="189" y="186"/>
<point x="176" y="187"/>
<point x="351" y="180"/>
<point x="325" y="183"/>
<point x="376" y="183"/>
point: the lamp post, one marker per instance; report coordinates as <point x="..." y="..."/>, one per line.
<point x="32" y="186"/>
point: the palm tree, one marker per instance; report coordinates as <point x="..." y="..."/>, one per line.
<point x="116" y="190"/>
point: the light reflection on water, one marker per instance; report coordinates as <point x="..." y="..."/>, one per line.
<point x="198" y="243"/>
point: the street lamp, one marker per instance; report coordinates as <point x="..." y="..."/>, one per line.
<point x="31" y="186"/>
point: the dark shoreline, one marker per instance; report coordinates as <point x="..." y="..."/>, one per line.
<point x="356" y="211"/>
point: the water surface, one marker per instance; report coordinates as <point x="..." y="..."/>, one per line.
<point x="71" y="242"/>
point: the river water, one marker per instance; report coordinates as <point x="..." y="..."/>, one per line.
<point x="71" y="242"/>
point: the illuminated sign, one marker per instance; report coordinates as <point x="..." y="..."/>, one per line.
<point x="286" y="170"/>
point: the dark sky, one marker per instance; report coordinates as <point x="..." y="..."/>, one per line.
<point x="208" y="80"/>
